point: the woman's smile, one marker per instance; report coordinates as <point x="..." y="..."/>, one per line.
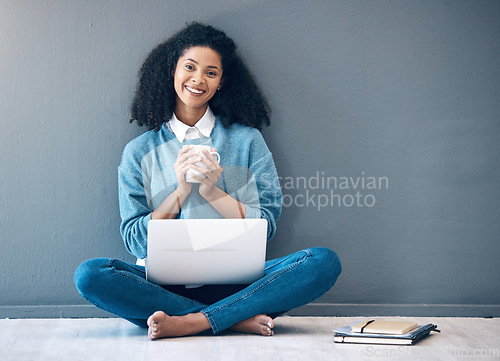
<point x="195" y="91"/>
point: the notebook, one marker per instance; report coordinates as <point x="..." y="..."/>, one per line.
<point x="206" y="251"/>
<point x="385" y="327"/>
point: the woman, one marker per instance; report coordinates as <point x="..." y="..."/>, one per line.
<point x="194" y="89"/>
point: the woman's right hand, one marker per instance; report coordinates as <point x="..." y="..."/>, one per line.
<point x="185" y="158"/>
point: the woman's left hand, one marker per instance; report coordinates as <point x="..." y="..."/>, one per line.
<point x="213" y="173"/>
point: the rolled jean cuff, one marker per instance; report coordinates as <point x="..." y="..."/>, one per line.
<point x="211" y="320"/>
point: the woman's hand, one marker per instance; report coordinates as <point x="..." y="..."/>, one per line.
<point x="171" y="206"/>
<point x="185" y="160"/>
<point x="212" y="174"/>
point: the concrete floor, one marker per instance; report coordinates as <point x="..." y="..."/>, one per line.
<point x="296" y="338"/>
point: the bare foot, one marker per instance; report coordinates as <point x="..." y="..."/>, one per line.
<point x="161" y="325"/>
<point x="260" y="324"/>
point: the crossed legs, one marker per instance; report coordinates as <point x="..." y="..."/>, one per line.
<point x="289" y="282"/>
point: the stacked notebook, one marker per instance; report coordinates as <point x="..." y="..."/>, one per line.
<point x="383" y="332"/>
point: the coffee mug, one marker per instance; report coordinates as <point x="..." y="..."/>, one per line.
<point x="191" y="171"/>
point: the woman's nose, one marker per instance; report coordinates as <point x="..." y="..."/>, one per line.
<point x="197" y="79"/>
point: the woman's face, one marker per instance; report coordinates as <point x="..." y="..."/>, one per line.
<point x="197" y="77"/>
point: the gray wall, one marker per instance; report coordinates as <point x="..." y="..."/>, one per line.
<point x="398" y="101"/>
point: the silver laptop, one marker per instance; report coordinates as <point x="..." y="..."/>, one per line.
<point x="206" y="251"/>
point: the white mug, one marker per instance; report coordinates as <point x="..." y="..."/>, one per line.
<point x="191" y="171"/>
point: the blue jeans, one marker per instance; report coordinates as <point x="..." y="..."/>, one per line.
<point x="289" y="282"/>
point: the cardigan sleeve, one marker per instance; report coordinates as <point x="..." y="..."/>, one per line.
<point x="268" y="186"/>
<point x="134" y="210"/>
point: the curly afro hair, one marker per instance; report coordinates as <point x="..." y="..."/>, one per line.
<point x="238" y="101"/>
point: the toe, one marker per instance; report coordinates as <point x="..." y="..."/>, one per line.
<point x="266" y="331"/>
<point x="155" y="318"/>
<point x="270" y="322"/>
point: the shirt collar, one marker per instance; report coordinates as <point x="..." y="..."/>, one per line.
<point x="204" y="125"/>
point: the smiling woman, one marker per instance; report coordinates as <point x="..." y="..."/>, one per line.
<point x="195" y="91"/>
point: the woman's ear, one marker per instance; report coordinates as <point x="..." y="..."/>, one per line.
<point x="220" y="84"/>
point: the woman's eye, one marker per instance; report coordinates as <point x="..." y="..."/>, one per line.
<point x="212" y="73"/>
<point x="189" y="67"/>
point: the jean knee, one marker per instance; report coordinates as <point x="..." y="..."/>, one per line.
<point x="88" y="274"/>
<point x="329" y="262"/>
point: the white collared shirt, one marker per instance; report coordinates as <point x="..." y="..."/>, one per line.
<point x="202" y="128"/>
